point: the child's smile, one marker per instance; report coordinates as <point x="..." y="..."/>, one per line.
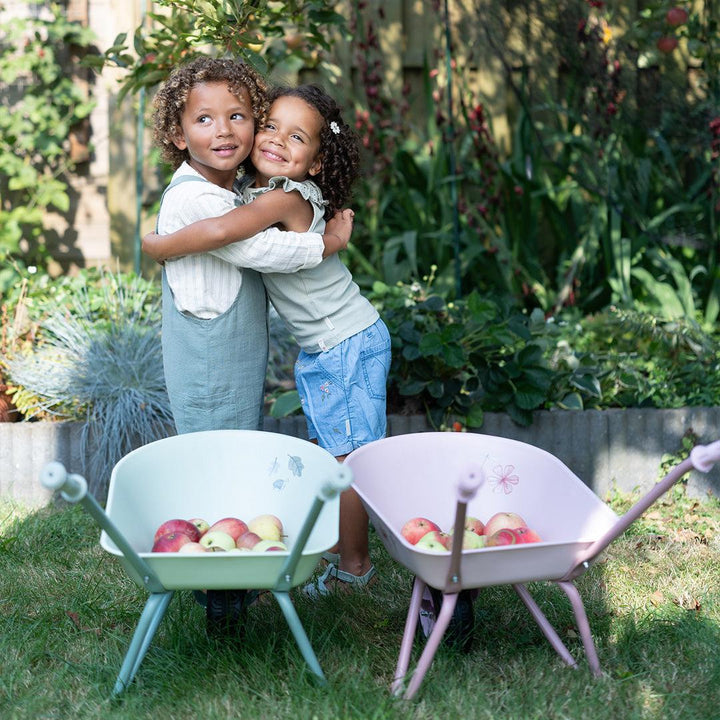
<point x="289" y="143"/>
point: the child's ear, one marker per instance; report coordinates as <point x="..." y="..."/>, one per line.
<point x="316" y="167"/>
<point x="178" y="139"/>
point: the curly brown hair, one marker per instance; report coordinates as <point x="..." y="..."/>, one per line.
<point x="339" y="151"/>
<point x="172" y="97"/>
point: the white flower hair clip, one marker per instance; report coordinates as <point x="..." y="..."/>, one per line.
<point x="335" y="127"/>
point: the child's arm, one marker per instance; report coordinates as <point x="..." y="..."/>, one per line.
<point x="276" y="207"/>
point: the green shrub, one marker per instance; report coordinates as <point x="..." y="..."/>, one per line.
<point x="41" y="104"/>
<point x="456" y="359"/>
<point x="97" y="358"/>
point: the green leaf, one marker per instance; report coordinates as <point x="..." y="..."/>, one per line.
<point x="411" y="387"/>
<point x="571" y="401"/>
<point x="454" y="356"/>
<point x="475" y="416"/>
<point x="434" y="304"/>
<point x="436" y="388"/>
<point x="288" y="403"/>
<point x="432" y="344"/>
<point x="528" y="399"/>
<point x="587" y="383"/>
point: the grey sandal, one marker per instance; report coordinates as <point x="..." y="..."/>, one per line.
<point x="355" y="582"/>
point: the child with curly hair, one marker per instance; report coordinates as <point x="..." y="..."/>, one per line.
<point x="305" y="159"/>
<point x="214" y="318"/>
<point x="214" y="312"/>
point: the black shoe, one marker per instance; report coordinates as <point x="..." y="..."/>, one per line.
<point x="459" y="633"/>
<point x="224" y="612"/>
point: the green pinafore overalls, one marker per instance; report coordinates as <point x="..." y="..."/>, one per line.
<point x="215" y="368"/>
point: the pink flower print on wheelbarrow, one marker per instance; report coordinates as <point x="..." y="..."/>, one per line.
<point x="503" y="478"/>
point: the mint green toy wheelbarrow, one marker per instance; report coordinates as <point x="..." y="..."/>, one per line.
<point x="214" y="474"/>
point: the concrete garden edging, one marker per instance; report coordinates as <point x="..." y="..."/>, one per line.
<point x="604" y="448"/>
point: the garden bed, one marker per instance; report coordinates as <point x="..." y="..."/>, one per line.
<point x="621" y="448"/>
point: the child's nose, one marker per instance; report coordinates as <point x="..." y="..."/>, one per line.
<point x="223" y="127"/>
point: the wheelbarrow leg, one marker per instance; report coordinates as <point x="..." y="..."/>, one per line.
<point x="152" y="614"/>
<point x="301" y="638"/>
<point x="433" y="642"/>
<point x="547" y="629"/>
<point x="408" y="635"/>
<point x="583" y="626"/>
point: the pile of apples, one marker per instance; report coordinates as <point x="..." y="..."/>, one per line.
<point x="503" y="528"/>
<point x="263" y="533"/>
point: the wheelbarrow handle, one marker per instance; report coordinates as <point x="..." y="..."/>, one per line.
<point x="703" y="457"/>
<point x="469" y="482"/>
<point x="340" y="479"/>
<point x="72" y="487"/>
<point x="338" y="482"/>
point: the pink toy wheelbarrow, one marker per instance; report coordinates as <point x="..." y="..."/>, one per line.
<point x="213" y="475"/>
<point x="447" y="476"/>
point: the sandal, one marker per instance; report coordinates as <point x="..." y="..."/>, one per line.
<point x="331" y="558"/>
<point x="334" y="579"/>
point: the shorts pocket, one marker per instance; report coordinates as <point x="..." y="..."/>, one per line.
<point x="375" y="361"/>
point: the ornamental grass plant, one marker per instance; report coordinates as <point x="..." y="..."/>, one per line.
<point x="98" y="359"/>
<point x="67" y="612"/>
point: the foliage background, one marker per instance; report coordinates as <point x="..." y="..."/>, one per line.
<point x="568" y="261"/>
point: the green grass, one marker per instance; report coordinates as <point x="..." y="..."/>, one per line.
<point x="67" y="612"/>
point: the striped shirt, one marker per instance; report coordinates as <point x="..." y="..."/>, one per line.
<point x="206" y="285"/>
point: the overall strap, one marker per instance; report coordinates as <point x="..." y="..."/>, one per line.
<point x="174" y="183"/>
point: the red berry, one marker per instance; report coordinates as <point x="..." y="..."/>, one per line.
<point x="667" y="44"/>
<point x="676" y="16"/>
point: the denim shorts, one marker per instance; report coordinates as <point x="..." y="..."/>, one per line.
<point x="343" y="390"/>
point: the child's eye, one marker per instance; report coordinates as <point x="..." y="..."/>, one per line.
<point x="203" y="119"/>
<point x="237" y="116"/>
<point x="269" y="126"/>
<point x="299" y="138"/>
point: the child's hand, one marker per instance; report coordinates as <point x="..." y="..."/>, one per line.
<point x="149" y="247"/>
<point x="337" y="231"/>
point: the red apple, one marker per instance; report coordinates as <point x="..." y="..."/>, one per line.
<point x="268" y="527"/>
<point x="474" y="525"/>
<point x="248" y="540"/>
<point x="435" y="540"/>
<point x="502" y="520"/>
<point x="676" y="16"/>
<point x="193" y="547"/>
<point x="505" y="536"/>
<point x="667" y="44"/>
<point x="414" y="529"/>
<point x="201" y="524"/>
<point x="178" y="526"/>
<point x="233" y="526"/>
<point x="171" y="542"/>
<point x="526" y="535"/>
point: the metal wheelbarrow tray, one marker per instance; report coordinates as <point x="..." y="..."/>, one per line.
<point x="215" y="474"/>
<point x="447" y="476"/>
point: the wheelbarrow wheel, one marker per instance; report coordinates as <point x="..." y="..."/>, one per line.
<point x="224" y="612"/>
<point x="459" y="634"/>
